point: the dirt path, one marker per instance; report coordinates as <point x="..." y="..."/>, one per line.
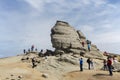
<point x="91" y="75"/>
<point x="12" y="68"/>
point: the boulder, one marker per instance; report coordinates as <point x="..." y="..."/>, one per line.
<point x="64" y="36"/>
<point x="116" y="66"/>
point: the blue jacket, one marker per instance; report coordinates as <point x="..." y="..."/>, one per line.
<point x="81" y="61"/>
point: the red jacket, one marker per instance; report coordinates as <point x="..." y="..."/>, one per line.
<point x="109" y="62"/>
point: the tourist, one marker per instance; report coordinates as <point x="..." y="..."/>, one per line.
<point x="83" y="43"/>
<point x="32" y="47"/>
<point x="105" y="54"/>
<point x="36" y="49"/>
<point x="89" y="63"/>
<point x="41" y="53"/>
<point x="81" y="64"/>
<point x="115" y="60"/>
<point x="33" y="62"/>
<point x="28" y="50"/>
<point x="105" y="64"/>
<point x="109" y="64"/>
<point x="89" y="45"/>
<point x="24" y="51"/>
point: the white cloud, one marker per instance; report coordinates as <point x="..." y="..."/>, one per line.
<point x="97" y="19"/>
<point x="99" y="2"/>
<point x="38" y="4"/>
<point x="87" y="29"/>
<point x="107" y="26"/>
<point x="108" y="37"/>
<point x="63" y="5"/>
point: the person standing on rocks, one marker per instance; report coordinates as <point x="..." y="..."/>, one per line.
<point x="81" y="64"/>
<point x="36" y="50"/>
<point x="92" y="64"/>
<point x="105" y="64"/>
<point x="89" y="45"/>
<point x="109" y="64"/>
<point x="32" y="47"/>
<point x="89" y="63"/>
<point x="82" y="43"/>
<point x="28" y="50"/>
<point x="24" y="51"/>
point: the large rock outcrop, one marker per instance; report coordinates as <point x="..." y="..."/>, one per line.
<point x="64" y="36"/>
<point x="65" y="39"/>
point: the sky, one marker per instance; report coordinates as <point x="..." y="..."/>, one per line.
<point x="27" y="22"/>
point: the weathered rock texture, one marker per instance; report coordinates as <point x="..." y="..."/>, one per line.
<point x="65" y="39"/>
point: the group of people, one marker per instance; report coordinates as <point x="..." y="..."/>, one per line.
<point x="107" y="64"/>
<point x="89" y="62"/>
<point x="30" y="49"/>
<point x="88" y="42"/>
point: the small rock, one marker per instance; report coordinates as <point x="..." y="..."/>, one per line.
<point x="45" y="75"/>
<point x="19" y="77"/>
<point x="7" y="78"/>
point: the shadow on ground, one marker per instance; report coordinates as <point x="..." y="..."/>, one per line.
<point x="100" y="75"/>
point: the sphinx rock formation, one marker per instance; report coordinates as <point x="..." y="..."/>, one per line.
<point x="65" y="39"/>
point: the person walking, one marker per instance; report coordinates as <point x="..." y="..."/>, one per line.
<point x="81" y="64"/>
<point x="109" y="64"/>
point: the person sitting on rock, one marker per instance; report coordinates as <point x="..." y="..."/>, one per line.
<point x="41" y="53"/>
<point x="33" y="62"/>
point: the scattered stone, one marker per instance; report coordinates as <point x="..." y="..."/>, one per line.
<point x="7" y="78"/>
<point x="45" y="75"/>
<point x="19" y="77"/>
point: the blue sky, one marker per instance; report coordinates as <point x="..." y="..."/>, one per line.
<point x="27" y="22"/>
